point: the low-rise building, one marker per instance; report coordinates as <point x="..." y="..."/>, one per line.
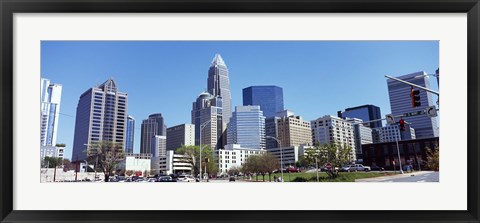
<point x="172" y="163"/>
<point x="234" y="156"/>
<point x="288" y="156"/>
<point x="136" y="162"/>
<point x="51" y="151"/>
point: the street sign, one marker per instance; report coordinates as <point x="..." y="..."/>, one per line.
<point x="414" y="113"/>
<point x="431" y="111"/>
<point x="390" y="119"/>
<point x="328" y="165"/>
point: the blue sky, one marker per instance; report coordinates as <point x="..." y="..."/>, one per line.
<point x="317" y="77"/>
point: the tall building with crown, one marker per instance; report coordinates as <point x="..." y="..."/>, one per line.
<point x="153" y="126"/>
<point x="219" y="86"/>
<point x="101" y="116"/>
<point x="208" y="120"/>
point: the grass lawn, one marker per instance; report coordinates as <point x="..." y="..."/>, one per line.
<point x="312" y="177"/>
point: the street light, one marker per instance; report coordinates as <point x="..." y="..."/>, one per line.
<point x="281" y="151"/>
<point x="398" y="151"/>
<point x="201" y="128"/>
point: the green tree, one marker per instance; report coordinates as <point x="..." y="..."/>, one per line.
<point x="234" y="171"/>
<point x="433" y="158"/>
<point x="268" y="163"/>
<point x="334" y="154"/>
<point x="109" y="155"/>
<point x="194" y="153"/>
<point x="252" y="165"/>
<point x="68" y="165"/>
<point x="53" y="162"/>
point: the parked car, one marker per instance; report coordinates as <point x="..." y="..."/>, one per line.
<point x="377" y="168"/>
<point x="231" y="179"/>
<point x="185" y="178"/>
<point x="293" y="170"/>
<point x="355" y="167"/>
<point x="166" y="179"/>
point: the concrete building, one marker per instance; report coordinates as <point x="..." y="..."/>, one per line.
<point x="293" y="130"/>
<point x="159" y="146"/>
<point x="180" y="135"/>
<point x="391" y="133"/>
<point x="136" y="162"/>
<point x="400" y="103"/>
<point x="247" y="127"/>
<point x="365" y="113"/>
<point x="334" y="130"/>
<point x="101" y="116"/>
<point x="51" y="151"/>
<point x="151" y="127"/>
<point x="234" y="155"/>
<point x="363" y="135"/>
<point x="269" y="98"/>
<point x="50" y="97"/>
<point x="288" y="156"/>
<point x="207" y="111"/>
<point x="129" y="141"/>
<point x="172" y="163"/>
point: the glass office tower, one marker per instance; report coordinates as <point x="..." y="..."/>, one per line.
<point x="269" y="98"/>
<point x="247" y="127"/>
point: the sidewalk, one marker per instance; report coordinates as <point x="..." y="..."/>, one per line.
<point x="391" y="177"/>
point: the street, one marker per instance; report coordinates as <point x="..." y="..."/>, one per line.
<point x="422" y="176"/>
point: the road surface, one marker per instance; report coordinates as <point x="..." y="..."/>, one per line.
<point x="423" y="176"/>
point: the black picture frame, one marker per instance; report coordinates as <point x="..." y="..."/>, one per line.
<point x="9" y="7"/>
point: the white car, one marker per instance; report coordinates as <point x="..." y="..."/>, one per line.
<point x="185" y="178"/>
<point x="356" y="167"/>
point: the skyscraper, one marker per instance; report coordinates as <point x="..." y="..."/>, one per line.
<point x="400" y="103"/>
<point x="51" y="96"/>
<point x="130" y="134"/>
<point x="152" y="126"/>
<point x="269" y="98"/>
<point x="180" y="135"/>
<point x="159" y="146"/>
<point x="219" y="86"/>
<point x="207" y="118"/>
<point x="330" y="129"/>
<point x="247" y="127"/>
<point x="101" y="115"/>
<point x="364" y="112"/>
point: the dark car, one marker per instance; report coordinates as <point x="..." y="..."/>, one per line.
<point x="231" y="179"/>
<point x="166" y="179"/>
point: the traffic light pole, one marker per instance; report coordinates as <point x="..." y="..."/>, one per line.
<point x="414" y="85"/>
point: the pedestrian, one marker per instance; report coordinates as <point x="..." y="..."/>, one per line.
<point x="274" y="178"/>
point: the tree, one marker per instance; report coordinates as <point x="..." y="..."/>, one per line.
<point x="109" y="155"/>
<point x="252" y="166"/>
<point x="433" y="158"/>
<point x="68" y="165"/>
<point x="53" y="162"/>
<point x="268" y="164"/>
<point x="129" y="173"/>
<point x="334" y="154"/>
<point x="234" y="171"/>
<point x="194" y="153"/>
<point x="60" y="145"/>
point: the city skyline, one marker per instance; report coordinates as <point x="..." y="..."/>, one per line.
<point x="313" y="76"/>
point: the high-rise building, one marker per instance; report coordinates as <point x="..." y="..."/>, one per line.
<point x="219" y="86"/>
<point x="159" y="146"/>
<point x="400" y="103"/>
<point x="392" y="133"/>
<point x="208" y="120"/>
<point x="130" y="134"/>
<point x="271" y="130"/>
<point x="101" y="115"/>
<point x="365" y="113"/>
<point x="293" y="130"/>
<point x="247" y="127"/>
<point x="152" y="126"/>
<point x="51" y="96"/>
<point x="334" y="130"/>
<point x="269" y="98"/>
<point x="180" y="135"/>
<point x="363" y="135"/>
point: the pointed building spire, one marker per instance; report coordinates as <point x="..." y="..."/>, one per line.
<point x="217" y="60"/>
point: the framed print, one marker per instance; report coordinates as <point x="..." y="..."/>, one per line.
<point x="199" y="111"/>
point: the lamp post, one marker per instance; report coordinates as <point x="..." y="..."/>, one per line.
<point x="200" y="163"/>
<point x="398" y="151"/>
<point x="281" y="155"/>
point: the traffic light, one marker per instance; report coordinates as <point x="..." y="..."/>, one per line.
<point x="402" y="124"/>
<point x="415" y="96"/>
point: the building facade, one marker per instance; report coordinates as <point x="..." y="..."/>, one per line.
<point x="365" y="113"/>
<point x="293" y="130"/>
<point x="207" y="116"/>
<point x="129" y="141"/>
<point x="50" y="98"/>
<point x="172" y="163"/>
<point x="101" y="116"/>
<point x="136" y="162"/>
<point x="159" y="146"/>
<point x="334" y="130"/>
<point x="400" y="103"/>
<point x="180" y="135"/>
<point x="391" y="133"/>
<point x="234" y="155"/>
<point x="271" y="130"/>
<point x="51" y="151"/>
<point x="412" y="152"/>
<point x="219" y="86"/>
<point x="269" y="98"/>
<point x="288" y="156"/>
<point x="151" y="127"/>
<point x="362" y="135"/>
<point x="247" y="127"/>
